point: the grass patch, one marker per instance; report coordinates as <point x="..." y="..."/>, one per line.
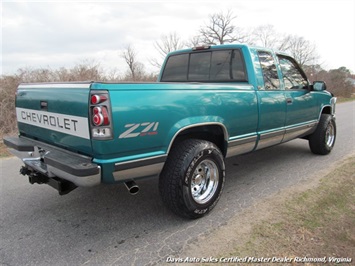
<point x="319" y="222"/>
<point x="4" y="152"/>
<point x="344" y="100"/>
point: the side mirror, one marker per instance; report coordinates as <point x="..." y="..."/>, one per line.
<point x="319" y="86"/>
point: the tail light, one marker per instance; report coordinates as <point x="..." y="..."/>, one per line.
<point x="100" y="111"/>
<point x="100" y="116"/>
<point x="97" y="98"/>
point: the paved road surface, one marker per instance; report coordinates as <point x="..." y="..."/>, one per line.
<point x="107" y="226"/>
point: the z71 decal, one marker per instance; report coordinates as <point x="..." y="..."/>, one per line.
<point x="140" y="130"/>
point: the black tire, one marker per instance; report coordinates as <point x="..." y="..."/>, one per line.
<point x="323" y="139"/>
<point x="192" y="179"/>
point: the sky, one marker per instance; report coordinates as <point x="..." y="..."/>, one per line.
<point x="54" y="34"/>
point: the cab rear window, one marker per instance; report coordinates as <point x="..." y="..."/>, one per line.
<point x="209" y="66"/>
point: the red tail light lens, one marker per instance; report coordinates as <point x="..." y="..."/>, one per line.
<point x="98" y="119"/>
<point x="100" y="116"/>
<point x="96" y="99"/>
<point x="100" y="112"/>
<point x="97" y="110"/>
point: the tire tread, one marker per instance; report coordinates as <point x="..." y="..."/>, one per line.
<point x="317" y="139"/>
<point x="170" y="182"/>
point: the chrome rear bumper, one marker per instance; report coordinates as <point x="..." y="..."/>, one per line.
<point x="54" y="162"/>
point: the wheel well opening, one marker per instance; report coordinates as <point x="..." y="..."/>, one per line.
<point x="326" y="110"/>
<point x="212" y="133"/>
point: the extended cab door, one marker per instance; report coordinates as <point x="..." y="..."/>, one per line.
<point x="301" y="108"/>
<point x="272" y="101"/>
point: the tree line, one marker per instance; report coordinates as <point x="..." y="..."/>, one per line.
<point x="218" y="29"/>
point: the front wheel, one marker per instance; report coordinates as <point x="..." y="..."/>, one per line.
<point x="193" y="178"/>
<point x="323" y="139"/>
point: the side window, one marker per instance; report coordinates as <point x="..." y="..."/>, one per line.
<point x="176" y="68"/>
<point x="292" y="74"/>
<point x="271" y="78"/>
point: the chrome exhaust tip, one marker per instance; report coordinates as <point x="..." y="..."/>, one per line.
<point x="132" y="187"/>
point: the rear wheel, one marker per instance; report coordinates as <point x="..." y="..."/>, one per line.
<point x="323" y="139"/>
<point x="193" y="177"/>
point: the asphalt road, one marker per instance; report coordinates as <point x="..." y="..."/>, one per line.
<point x="105" y="225"/>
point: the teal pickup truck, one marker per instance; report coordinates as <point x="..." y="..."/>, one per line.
<point x="209" y="103"/>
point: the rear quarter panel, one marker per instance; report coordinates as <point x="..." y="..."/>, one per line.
<point x="173" y="106"/>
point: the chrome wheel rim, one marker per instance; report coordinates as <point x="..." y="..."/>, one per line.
<point x="204" y="181"/>
<point x="330" y="135"/>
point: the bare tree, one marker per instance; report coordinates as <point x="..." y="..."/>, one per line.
<point x="302" y="50"/>
<point x="166" y="44"/>
<point x="194" y="41"/>
<point x="136" y="69"/>
<point x="220" y="30"/>
<point x="284" y="43"/>
<point x="169" y="43"/>
<point x="339" y="82"/>
<point x="265" y="36"/>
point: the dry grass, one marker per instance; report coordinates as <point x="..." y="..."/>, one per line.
<point x="81" y="72"/>
<point x="316" y="219"/>
<point x="4" y="151"/>
<point x="344" y="100"/>
<point x="317" y="223"/>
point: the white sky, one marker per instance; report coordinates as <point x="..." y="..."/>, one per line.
<point x="64" y="33"/>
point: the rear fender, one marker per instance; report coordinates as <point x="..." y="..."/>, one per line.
<point x="208" y="128"/>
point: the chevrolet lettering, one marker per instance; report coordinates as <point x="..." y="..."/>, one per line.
<point x="77" y="126"/>
<point x="47" y="120"/>
<point x="209" y="103"/>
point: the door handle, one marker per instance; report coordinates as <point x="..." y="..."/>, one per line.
<point x="289" y="100"/>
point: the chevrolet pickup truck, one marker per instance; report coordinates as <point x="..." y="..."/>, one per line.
<point x="210" y="103"/>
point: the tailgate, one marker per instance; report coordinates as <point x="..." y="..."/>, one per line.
<point x="55" y="113"/>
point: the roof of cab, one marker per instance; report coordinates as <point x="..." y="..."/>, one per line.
<point x="225" y="46"/>
<point x="209" y="47"/>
